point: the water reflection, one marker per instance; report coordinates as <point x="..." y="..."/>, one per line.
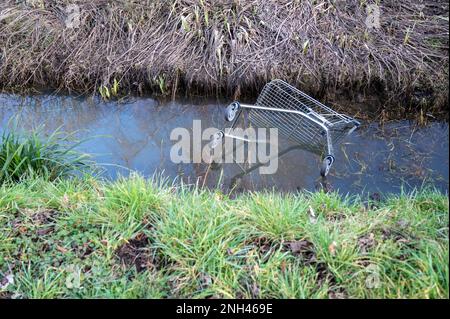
<point x="134" y="134"/>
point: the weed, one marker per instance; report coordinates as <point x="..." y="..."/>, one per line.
<point x="32" y="155"/>
<point x="138" y="238"/>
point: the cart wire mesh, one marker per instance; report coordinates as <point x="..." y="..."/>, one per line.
<point x="309" y="128"/>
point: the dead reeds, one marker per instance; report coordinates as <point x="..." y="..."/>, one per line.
<point x="227" y="46"/>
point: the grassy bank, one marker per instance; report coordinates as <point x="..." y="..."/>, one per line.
<point x="66" y="234"/>
<point x="142" y="239"/>
<point x="199" y="46"/>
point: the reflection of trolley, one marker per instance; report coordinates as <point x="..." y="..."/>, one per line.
<point x="298" y="117"/>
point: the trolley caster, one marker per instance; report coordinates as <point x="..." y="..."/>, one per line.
<point x="326" y="165"/>
<point x="215" y="165"/>
<point x="231" y="111"/>
<point x="216" y="139"/>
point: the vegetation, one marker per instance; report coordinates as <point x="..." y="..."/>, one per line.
<point x="114" y="47"/>
<point x="138" y="238"/>
<point x="84" y="237"/>
<point x="30" y="154"/>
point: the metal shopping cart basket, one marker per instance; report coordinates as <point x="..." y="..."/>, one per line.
<point x="301" y="119"/>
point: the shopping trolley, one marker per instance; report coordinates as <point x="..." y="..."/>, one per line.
<point x="298" y="117"/>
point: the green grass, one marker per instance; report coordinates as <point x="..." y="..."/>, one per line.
<point x="192" y="47"/>
<point x="30" y="154"/>
<point x="139" y="238"/>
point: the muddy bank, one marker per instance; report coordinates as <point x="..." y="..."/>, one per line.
<point x="398" y="50"/>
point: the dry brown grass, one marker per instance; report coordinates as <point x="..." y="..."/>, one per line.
<point x="231" y="46"/>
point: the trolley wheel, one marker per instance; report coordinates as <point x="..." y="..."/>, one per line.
<point x="215" y="165"/>
<point x="231" y="111"/>
<point x="216" y="139"/>
<point x="326" y="165"/>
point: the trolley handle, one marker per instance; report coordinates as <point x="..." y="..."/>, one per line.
<point x="316" y="118"/>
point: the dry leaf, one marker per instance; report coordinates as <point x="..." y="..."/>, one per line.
<point x="332" y="248"/>
<point x="23" y="229"/>
<point x="61" y="249"/>
<point x="283" y="266"/>
<point x="205" y="279"/>
<point x="65" y="200"/>
<point x="312" y="216"/>
<point x="255" y="290"/>
<point x="299" y="246"/>
<point x="6" y="281"/>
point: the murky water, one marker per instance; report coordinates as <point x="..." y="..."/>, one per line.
<point x="134" y="135"/>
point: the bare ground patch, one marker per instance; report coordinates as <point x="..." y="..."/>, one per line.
<point x="137" y="253"/>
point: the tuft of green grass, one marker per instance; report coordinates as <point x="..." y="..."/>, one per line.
<point x="29" y="154"/>
<point x="275" y="217"/>
<point x="197" y="237"/>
